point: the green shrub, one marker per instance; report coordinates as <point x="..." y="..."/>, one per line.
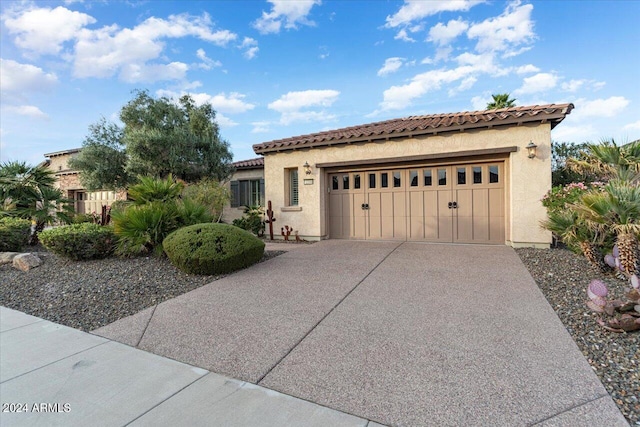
<point x="83" y="218"/>
<point x="80" y="241"/>
<point x="212" y="248"/>
<point x="209" y="193"/>
<point x="142" y="228"/>
<point x="14" y="234"/>
<point x="252" y="220"/>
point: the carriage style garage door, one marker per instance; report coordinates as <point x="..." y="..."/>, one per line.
<point x="459" y="203"/>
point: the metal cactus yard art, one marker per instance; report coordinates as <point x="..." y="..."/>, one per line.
<point x="621" y="315"/>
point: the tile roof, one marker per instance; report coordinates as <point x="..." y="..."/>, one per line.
<point x="257" y="163"/>
<point x="422" y="125"/>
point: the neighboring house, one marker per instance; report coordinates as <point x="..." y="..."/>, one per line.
<point x="247" y="187"/>
<point x="461" y="177"/>
<point x="69" y="183"/>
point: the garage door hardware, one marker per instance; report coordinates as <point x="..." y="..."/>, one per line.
<point x="453" y="205"/>
<point x="365" y="206"/>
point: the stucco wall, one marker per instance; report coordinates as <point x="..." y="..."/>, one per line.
<point x="229" y="213"/>
<point x="528" y="179"/>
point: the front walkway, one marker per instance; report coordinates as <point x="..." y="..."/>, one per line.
<point x="397" y="333"/>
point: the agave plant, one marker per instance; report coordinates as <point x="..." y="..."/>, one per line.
<point x="622" y="315"/>
<point x="617" y="208"/>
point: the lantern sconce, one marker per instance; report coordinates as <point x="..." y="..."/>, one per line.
<point x="307" y="168"/>
<point x="531" y="149"/>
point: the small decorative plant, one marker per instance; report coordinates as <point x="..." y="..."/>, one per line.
<point x="621" y="315"/>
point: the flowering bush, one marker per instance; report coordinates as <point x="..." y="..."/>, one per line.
<point x="559" y="197"/>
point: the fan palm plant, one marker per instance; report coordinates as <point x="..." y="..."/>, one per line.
<point x="617" y="208"/>
<point x="501" y="100"/>
<point x="608" y="160"/>
<point x="571" y="228"/>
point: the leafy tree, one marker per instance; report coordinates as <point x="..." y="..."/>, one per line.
<point x="501" y="100"/>
<point x="209" y="193"/>
<point x="28" y="192"/>
<point x="102" y="160"/>
<point x="160" y="138"/>
<point x="561" y="173"/>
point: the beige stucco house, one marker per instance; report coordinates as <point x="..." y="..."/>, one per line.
<point x="68" y="181"/>
<point x="246" y="186"/>
<point x="463" y="177"/>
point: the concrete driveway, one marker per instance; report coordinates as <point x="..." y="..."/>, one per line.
<point x="396" y="333"/>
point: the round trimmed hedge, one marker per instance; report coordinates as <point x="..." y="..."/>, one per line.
<point x="14" y="234"/>
<point x="212" y="248"/>
<point x="80" y="241"/>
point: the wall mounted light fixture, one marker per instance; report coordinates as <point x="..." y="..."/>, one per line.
<point x="531" y="149"/>
<point x="307" y="168"/>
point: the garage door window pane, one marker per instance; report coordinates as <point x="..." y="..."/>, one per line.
<point x="345" y="182"/>
<point x="427" y="177"/>
<point x="442" y="177"/>
<point x="372" y="180"/>
<point x="477" y="174"/>
<point x="384" y="178"/>
<point x="493" y="174"/>
<point x="413" y="175"/>
<point x="356" y="181"/>
<point x="462" y="176"/>
<point x="334" y="183"/>
<point x="396" y="179"/>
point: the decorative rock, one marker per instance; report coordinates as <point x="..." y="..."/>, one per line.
<point x="7" y="257"/>
<point x="26" y="262"/>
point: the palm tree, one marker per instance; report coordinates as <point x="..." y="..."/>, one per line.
<point x="617" y="208"/>
<point x="608" y="160"/>
<point x="571" y="228"/>
<point x="28" y="192"/>
<point x="501" y="100"/>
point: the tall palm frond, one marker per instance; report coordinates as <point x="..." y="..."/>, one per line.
<point x="608" y="160"/>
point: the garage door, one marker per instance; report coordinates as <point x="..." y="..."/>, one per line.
<point x="459" y="203"/>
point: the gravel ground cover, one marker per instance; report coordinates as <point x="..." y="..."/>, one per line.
<point x="89" y="294"/>
<point x="563" y="276"/>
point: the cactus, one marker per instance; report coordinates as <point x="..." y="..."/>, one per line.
<point x="622" y="315"/>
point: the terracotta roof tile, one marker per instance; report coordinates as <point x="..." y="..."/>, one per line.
<point x="256" y="163"/>
<point x="422" y="125"/>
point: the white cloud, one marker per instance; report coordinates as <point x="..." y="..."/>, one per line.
<point x="609" y="107"/>
<point x="44" y="30"/>
<point x="632" y="126"/>
<point x="505" y="32"/>
<point x="444" y="34"/>
<point x="402" y="35"/>
<point x="287" y="13"/>
<point x="233" y="103"/>
<point x="26" y="110"/>
<point x="569" y="133"/>
<point x="291" y="104"/>
<point x="18" y="78"/>
<point x="414" y="10"/>
<point x="526" y="69"/>
<point x="576" y="84"/>
<point x="225" y="121"/>
<point x="260" y="127"/>
<point x="110" y="50"/>
<point x="391" y="65"/>
<point x="427" y="60"/>
<point x="480" y="102"/>
<point x="251" y="46"/>
<point x="207" y="63"/>
<point x="537" y="83"/>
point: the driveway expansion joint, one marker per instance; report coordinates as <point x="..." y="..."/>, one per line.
<point x="327" y="314"/>
<point x="147" y="325"/>
<point x="571" y="408"/>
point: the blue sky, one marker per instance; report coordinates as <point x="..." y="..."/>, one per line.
<point x="274" y="69"/>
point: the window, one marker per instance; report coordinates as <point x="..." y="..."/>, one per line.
<point x="384" y="180"/>
<point x="493" y="174"/>
<point x="345" y="182"/>
<point x="396" y="179"/>
<point x="427" y="177"/>
<point x="477" y="175"/>
<point x="293" y="187"/>
<point x="247" y="192"/>
<point x="356" y="181"/>
<point x="413" y="177"/>
<point x="334" y="182"/>
<point x="442" y="177"/>
<point x="462" y="176"/>
<point x="372" y="180"/>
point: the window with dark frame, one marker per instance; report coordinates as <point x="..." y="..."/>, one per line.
<point x="247" y="192"/>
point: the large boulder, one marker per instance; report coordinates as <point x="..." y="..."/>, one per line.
<point x="26" y="262"/>
<point x="7" y="257"/>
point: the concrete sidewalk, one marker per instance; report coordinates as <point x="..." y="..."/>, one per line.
<point x="58" y="376"/>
